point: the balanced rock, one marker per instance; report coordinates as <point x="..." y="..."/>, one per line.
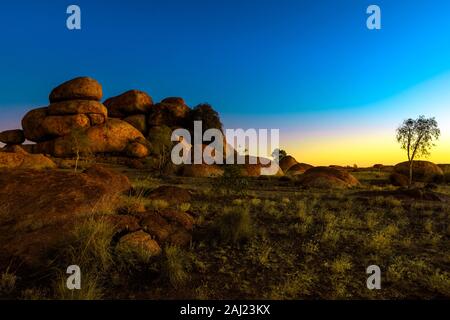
<point x="32" y="125"/>
<point x="128" y="103"/>
<point x="12" y="137"/>
<point x="423" y="171"/>
<point x="327" y="178"/>
<point x="83" y="88"/>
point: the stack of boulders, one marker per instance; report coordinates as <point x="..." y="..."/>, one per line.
<point x="77" y="122"/>
<point x="137" y="108"/>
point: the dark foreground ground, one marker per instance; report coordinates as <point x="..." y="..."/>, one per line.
<point x="268" y="238"/>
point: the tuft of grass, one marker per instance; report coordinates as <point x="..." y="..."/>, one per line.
<point x="234" y="225"/>
<point x="7" y="283"/>
<point x="91" y="288"/>
<point x="176" y="265"/>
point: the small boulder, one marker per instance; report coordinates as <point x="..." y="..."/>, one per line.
<point x="12" y="137"/>
<point x="83" y="88"/>
<point x="398" y="180"/>
<point x="138" y="243"/>
<point x="128" y="103"/>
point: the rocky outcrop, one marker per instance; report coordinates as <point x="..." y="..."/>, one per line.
<point x="32" y="228"/>
<point x="327" y="178"/>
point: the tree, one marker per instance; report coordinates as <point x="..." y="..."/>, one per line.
<point x="209" y="117"/>
<point x="417" y="138"/>
<point x="161" y="145"/>
<point x="278" y="154"/>
<point x="80" y="145"/>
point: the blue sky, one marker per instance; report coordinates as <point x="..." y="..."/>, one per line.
<point x="307" y="62"/>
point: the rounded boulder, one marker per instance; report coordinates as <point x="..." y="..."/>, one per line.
<point x="83" y="88"/>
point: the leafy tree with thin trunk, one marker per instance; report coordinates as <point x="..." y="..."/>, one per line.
<point x="417" y="138"/>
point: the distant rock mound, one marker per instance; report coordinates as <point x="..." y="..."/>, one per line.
<point x="423" y="171"/>
<point x="327" y="178"/>
<point x="287" y="162"/>
<point x="201" y="170"/>
<point x="299" y="168"/>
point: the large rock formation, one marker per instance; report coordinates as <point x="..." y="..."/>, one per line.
<point x="423" y="171"/>
<point x="327" y="178"/>
<point x="76" y="122"/>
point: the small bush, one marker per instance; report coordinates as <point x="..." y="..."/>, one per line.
<point x="176" y="266"/>
<point x="7" y="283"/>
<point x="234" y="225"/>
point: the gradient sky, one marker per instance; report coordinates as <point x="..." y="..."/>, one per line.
<point x="311" y="68"/>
